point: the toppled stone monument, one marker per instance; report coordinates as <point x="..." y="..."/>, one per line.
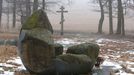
<point x="41" y="56"/>
<point x="36" y="43"/>
<point x="73" y="64"/>
<point x="89" y="49"/>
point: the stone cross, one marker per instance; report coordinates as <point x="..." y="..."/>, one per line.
<point x="62" y="18"/>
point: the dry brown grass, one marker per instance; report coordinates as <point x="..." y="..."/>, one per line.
<point x="6" y="52"/>
<point x="8" y="36"/>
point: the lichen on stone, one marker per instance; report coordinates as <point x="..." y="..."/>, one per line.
<point x="89" y="49"/>
<point x="38" y="19"/>
<point x="74" y="58"/>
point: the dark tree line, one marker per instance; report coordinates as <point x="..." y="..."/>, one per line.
<point x="120" y="25"/>
<point x="23" y="8"/>
<point x="121" y="6"/>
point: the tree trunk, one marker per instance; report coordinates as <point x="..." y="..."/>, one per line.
<point x="110" y="18"/>
<point x="1" y="2"/>
<point x="35" y="5"/>
<point x="119" y="26"/>
<point x="22" y="13"/>
<point x="28" y="8"/>
<point x="122" y="20"/>
<point x="123" y="26"/>
<point x="14" y="13"/>
<point x="8" y="16"/>
<point x="102" y="18"/>
<point x="44" y="4"/>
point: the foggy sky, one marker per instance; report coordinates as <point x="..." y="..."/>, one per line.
<point x="81" y="16"/>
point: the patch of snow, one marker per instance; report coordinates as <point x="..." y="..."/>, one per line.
<point x="18" y="61"/>
<point x="130" y="63"/>
<point x="8" y="73"/>
<point x="131" y="69"/>
<point x="95" y="74"/>
<point x="123" y="73"/>
<point x="101" y="44"/>
<point x="112" y="64"/>
<point x="99" y="40"/>
<point x="68" y="42"/>
<point x="1" y="69"/>
<point x="104" y="40"/>
<point x="130" y="51"/>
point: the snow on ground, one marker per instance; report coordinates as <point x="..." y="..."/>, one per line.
<point x="118" y="55"/>
<point x="9" y="67"/>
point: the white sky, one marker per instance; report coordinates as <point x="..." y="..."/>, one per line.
<point x="80" y="14"/>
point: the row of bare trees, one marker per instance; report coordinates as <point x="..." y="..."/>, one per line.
<point x="23" y="9"/>
<point x="120" y="6"/>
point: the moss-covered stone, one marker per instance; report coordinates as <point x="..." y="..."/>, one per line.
<point x="58" y="49"/>
<point x="89" y="49"/>
<point x="36" y="55"/>
<point x="73" y="64"/>
<point x="38" y="19"/>
<point x="74" y="58"/>
<point x="36" y="45"/>
<point x="38" y="33"/>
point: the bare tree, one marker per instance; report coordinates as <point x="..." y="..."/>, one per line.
<point x="1" y="2"/>
<point x="110" y="17"/>
<point x="43" y="4"/>
<point x="101" y="18"/>
<point x="120" y="24"/>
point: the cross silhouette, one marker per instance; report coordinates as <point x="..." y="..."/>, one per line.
<point x="62" y="18"/>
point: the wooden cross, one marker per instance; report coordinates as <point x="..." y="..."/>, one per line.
<point x="62" y="18"/>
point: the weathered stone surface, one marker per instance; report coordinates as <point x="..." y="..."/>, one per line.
<point x="38" y="19"/>
<point x="73" y="64"/>
<point x="36" y="43"/>
<point x="89" y="49"/>
<point x="58" y="49"/>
